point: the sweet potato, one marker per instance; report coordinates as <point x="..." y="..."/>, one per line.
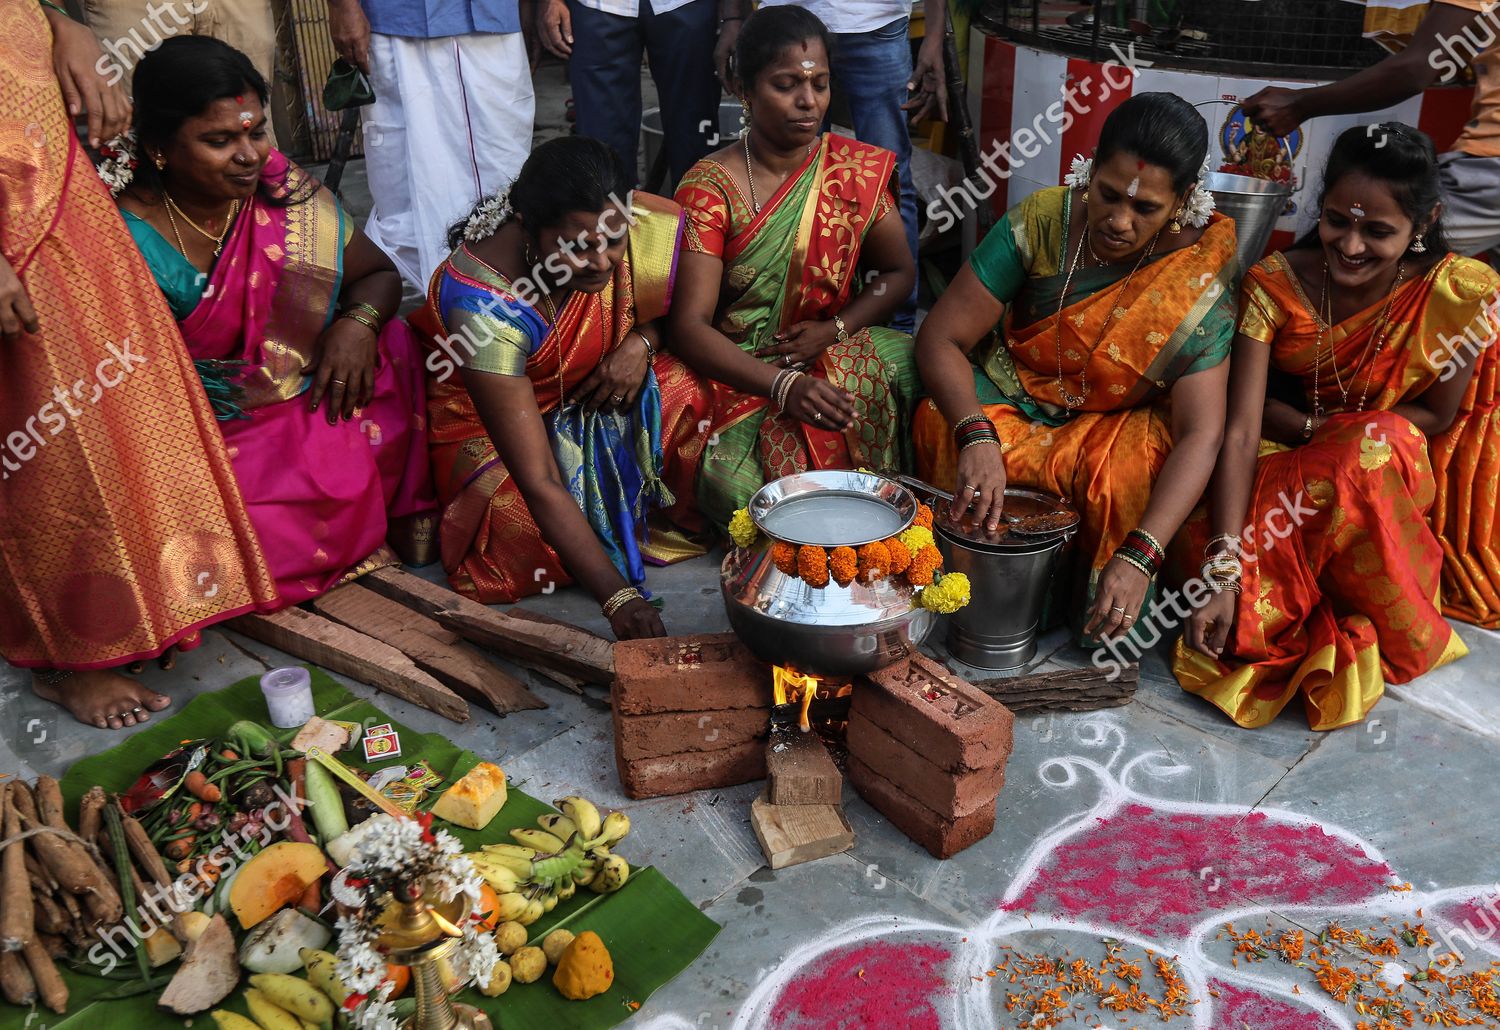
<point x="17" y="919"/>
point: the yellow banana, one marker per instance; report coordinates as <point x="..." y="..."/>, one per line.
<point x="584" y="814"/>
<point x="322" y="973"/>
<point x="566" y="889"/>
<point x="509" y="850"/>
<point x="296" y="995"/>
<point x="509" y="905"/>
<point x="560" y="826"/>
<point x="611" y="875"/>
<point x="549" y="901"/>
<point x="616" y="825"/>
<point x="267" y="1013"/>
<point x="541" y="840"/>
<point x="534" y="911"/>
<point x="233" y="1021"/>
<point x="585" y="871"/>
<point x="501" y="877"/>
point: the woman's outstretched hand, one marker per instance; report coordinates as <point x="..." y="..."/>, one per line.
<point x="1209" y="627"/>
<point x="1117" y="601"/>
<point x="17" y="316"/>
<point x="979" y="490"/>
<point x="820" y="404"/>
<point x="344" y="369"/>
<point x="636" y="621"/>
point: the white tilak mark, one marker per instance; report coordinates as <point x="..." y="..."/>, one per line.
<point x="1357" y="211"/>
<point x="1135" y="185"/>
<point x="809" y="64"/>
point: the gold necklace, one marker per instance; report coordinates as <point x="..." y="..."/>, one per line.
<point x="1366" y="360"/>
<point x="750" y="170"/>
<point x="1072" y="402"/>
<point x="218" y="239"/>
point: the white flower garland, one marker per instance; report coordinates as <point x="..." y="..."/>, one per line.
<point x="397" y="851"/>
<point x="488" y="216"/>
<point x="1196" y="209"/>
<point x="118" y="167"/>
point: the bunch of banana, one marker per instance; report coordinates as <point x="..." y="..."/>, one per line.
<point x="547" y="865"/>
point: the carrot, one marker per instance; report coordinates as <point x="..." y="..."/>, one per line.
<point x="229" y="755"/>
<point x="197" y="785"/>
<point x="312" y="898"/>
<point x="182" y="847"/>
<point x="17" y="918"/>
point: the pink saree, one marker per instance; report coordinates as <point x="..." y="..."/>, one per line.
<point x="319" y="495"/>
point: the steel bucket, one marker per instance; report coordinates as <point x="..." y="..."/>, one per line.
<point x="997" y="630"/>
<point x="1255" y="205"/>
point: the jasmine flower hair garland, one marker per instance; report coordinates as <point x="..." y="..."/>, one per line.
<point x="1196" y="209"/>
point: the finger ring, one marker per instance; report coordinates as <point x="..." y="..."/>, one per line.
<point x="1128" y="618"/>
<point x="617" y="398"/>
<point x="135" y="711"/>
<point x="786" y="359"/>
<point x="1117" y="608"/>
<point x="338" y="382"/>
<point x="817" y="416"/>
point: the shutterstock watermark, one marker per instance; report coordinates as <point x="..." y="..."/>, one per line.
<point x="23" y="445"/>
<point x="114" y="64"/>
<point x="1487" y="909"/>
<point x="1172" y="608"/>
<point x="1455" y="53"/>
<point x="1453" y="353"/>
<point x="470" y="340"/>
<point x="955" y="203"/>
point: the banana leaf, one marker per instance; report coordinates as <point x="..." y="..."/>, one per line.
<point x="651" y="930"/>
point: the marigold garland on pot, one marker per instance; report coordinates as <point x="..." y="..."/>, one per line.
<point x="785" y="557"/>
<point x="742" y="529"/>
<point x="900" y="555"/>
<point x="923" y="517"/>
<point x="812" y="566"/>
<point x="949" y="592"/>
<point x="874" y="561"/>
<point x="927" y="561"/>
<point x="843" y="565"/>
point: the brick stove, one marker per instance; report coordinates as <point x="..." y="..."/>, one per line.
<point x="925" y="748"/>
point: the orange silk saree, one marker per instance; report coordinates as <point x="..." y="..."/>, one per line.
<point x="1393" y="530"/>
<point x="1175" y="317"/>
<point x="122" y="531"/>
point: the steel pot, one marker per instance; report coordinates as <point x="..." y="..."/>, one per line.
<point x="832" y="630"/>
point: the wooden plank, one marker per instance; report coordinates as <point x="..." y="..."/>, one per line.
<point x="1065" y="690"/>
<point x="793" y="834"/>
<point x="528" y="641"/>
<point x="436" y="649"/>
<point x="800" y="770"/>
<point x="312" y="638"/>
<point x="530" y="615"/>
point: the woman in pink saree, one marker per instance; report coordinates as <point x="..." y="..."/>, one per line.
<point x="285" y="308"/>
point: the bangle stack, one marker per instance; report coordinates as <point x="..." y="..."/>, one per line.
<point x="367" y="315"/>
<point x="1143" y="551"/>
<point x="1223" y="569"/>
<point x="974" y="430"/>
<point x="781" y="386"/>
<point x="619" y="599"/>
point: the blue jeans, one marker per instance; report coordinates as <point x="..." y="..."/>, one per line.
<point x="871" y="69"/>
<point x="605" y="74"/>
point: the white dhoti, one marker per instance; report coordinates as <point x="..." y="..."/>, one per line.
<point x="451" y="123"/>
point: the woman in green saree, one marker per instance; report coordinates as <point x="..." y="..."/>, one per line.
<point x="770" y="304"/>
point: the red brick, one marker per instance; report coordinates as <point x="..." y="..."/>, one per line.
<point x="951" y="795"/>
<point x="943" y="838"/>
<point x="700" y="770"/>
<point x="710" y="672"/>
<point x="957" y="726"/>
<point x="650" y="736"/>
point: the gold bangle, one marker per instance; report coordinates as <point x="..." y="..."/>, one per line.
<point x="838" y="324"/>
<point x="1152" y="540"/>
<point x="1135" y="562"/>
<point x="363" y="319"/>
<point x="619" y="599"/>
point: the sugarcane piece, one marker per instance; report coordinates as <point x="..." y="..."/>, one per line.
<point x="17" y="916"/>
<point x="50" y="989"/>
<point x="16" y="982"/>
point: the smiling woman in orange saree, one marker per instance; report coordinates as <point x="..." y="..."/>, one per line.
<point x="1104" y="384"/>
<point x="1371" y="511"/>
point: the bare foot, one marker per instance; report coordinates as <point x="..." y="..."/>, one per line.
<point x="102" y="698"/>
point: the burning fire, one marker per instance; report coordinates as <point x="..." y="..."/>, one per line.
<point x="799" y="688"/>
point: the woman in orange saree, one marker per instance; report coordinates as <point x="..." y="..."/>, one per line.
<point x="122" y="532"/>
<point x="1105" y="382"/>
<point x="1371" y="510"/>
<point x="773" y="308"/>
<point x="568" y="428"/>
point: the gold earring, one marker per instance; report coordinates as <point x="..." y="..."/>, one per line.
<point x="161" y="163"/>
<point x="1176" y="225"/>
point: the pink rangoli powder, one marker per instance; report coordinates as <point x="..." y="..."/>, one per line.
<point x="1239" y="1007"/>
<point x="896" y="989"/>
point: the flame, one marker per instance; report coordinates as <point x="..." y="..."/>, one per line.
<point x="793" y="687"/>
